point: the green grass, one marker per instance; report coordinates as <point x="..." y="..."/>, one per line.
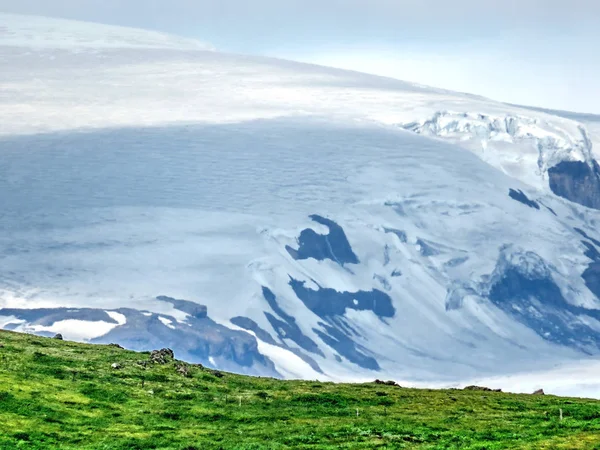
<point x="63" y="395"/>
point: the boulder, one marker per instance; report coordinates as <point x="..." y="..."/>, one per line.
<point x="387" y="383"/>
<point x="478" y="388"/>
<point x="115" y="366"/>
<point x="58" y="336"/>
<point x="539" y="392"/>
<point x="162" y="356"/>
<point x="183" y="369"/>
<point x="116" y="346"/>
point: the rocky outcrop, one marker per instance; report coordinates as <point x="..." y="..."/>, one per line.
<point x="333" y="246"/>
<point x="387" y="383"/>
<point x="183" y="370"/>
<point x="162" y="356"/>
<point x="577" y="181"/>
<point x="520" y="196"/>
<point x="481" y="388"/>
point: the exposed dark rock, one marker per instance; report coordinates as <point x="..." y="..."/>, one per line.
<point x="217" y="373"/>
<point x="272" y="301"/>
<point x="401" y="234"/>
<point x="331" y="305"/>
<point x="591" y="276"/>
<point x="521" y="197"/>
<point x="539" y="392"/>
<point x="481" y="388"/>
<point x="333" y="246"/>
<point x="383" y="281"/>
<point x="194" y="341"/>
<point x="591" y="251"/>
<point x="524" y="288"/>
<point x="162" y="356"/>
<point x="183" y="370"/>
<point x="345" y="346"/>
<point x="251" y="325"/>
<point x="455" y="262"/>
<point x="288" y="328"/>
<point x="329" y="302"/>
<point x="576" y="181"/>
<point x="284" y="330"/>
<point x="387" y="383"/>
<point x="58" y="336"/>
<point x="116" y="346"/>
<point x="585" y="235"/>
<point x="193" y="309"/>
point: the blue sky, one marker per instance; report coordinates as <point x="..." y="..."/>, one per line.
<point x="538" y="52"/>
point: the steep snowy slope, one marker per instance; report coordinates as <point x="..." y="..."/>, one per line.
<point x="277" y="218"/>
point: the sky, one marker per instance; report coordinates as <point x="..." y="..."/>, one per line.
<point x="536" y="52"/>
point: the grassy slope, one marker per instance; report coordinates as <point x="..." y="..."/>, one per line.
<point x="56" y="394"/>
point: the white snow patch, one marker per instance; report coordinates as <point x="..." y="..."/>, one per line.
<point x="287" y="363"/>
<point x="120" y="318"/>
<point x="166" y="322"/>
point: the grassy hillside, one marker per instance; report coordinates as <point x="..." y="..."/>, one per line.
<point x="56" y="394"/>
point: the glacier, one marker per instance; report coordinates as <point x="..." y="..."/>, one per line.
<point x="283" y="219"/>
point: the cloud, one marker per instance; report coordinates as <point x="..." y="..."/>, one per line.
<point x="257" y="24"/>
<point x="541" y="50"/>
<point x="336" y="13"/>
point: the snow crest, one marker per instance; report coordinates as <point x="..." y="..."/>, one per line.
<point x="490" y="136"/>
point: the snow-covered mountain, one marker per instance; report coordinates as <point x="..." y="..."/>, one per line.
<point x="277" y="218"/>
